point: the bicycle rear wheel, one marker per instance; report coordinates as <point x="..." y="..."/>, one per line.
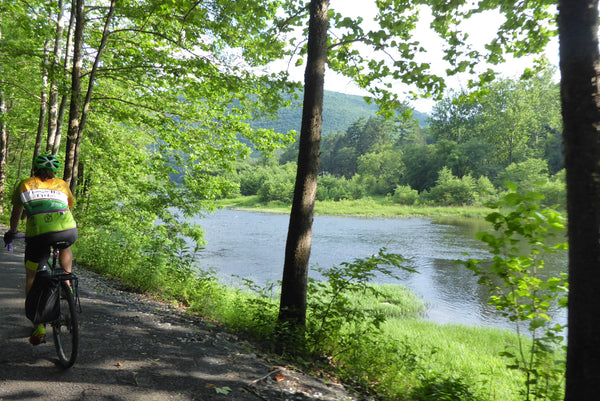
<point x="66" y="329"/>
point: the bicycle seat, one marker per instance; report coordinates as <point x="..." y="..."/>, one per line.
<point x="61" y="245"/>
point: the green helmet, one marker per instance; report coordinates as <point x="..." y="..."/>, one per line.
<point x="46" y="161"/>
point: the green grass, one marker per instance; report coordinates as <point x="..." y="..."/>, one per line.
<point x="410" y="350"/>
<point x="394" y="301"/>
<point x="457" y="351"/>
<point x="380" y="207"/>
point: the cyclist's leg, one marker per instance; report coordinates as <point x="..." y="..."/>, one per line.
<point x="29" y="277"/>
<point x="35" y="252"/>
<point x="66" y="238"/>
<point x="66" y="259"/>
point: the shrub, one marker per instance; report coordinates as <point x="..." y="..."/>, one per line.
<point x="522" y="237"/>
<point x="484" y="190"/>
<point x="450" y="190"/>
<point x="275" y="189"/>
<point x="405" y="195"/>
<point x="555" y="191"/>
<point x="526" y="174"/>
<point x="252" y="179"/>
<point x="338" y="188"/>
<point x="279" y="184"/>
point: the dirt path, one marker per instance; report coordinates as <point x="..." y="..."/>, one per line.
<point x="133" y="348"/>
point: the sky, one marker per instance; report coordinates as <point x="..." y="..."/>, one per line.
<point x="481" y="30"/>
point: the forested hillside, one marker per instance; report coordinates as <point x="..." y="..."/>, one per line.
<point x="339" y="112"/>
<point x="464" y="156"/>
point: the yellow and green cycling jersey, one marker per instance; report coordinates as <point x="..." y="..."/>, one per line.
<point x="47" y="205"/>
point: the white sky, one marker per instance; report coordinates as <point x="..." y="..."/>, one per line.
<point x="481" y="29"/>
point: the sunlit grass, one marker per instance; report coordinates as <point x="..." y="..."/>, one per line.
<point x="471" y="353"/>
<point x="380" y="207"/>
<point x="392" y="301"/>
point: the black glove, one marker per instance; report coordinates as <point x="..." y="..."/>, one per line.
<point x="9" y="236"/>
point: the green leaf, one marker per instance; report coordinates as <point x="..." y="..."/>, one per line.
<point x="223" y="390"/>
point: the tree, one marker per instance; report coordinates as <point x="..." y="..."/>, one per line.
<point x="381" y="169"/>
<point x="517" y="117"/>
<point x="527" y="29"/>
<point x="455" y="118"/>
<point x="292" y="309"/>
<point x="520" y="33"/>
<point x="77" y="121"/>
<point x="579" y="60"/>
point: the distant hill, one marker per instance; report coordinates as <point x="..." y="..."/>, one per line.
<point x="339" y="112"/>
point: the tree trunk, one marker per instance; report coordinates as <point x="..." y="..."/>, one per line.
<point x="292" y="310"/>
<point x="74" y="141"/>
<point x="66" y="66"/>
<point x="88" y="95"/>
<point x="580" y="97"/>
<point x="43" y="106"/>
<point x="75" y="108"/>
<point x="53" y="91"/>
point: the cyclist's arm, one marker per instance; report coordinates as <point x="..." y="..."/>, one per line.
<point x="15" y="216"/>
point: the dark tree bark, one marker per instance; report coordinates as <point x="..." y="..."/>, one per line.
<point x="37" y="149"/>
<point x="77" y="123"/>
<point x="75" y="107"/>
<point x="580" y="97"/>
<point x="53" y="94"/>
<point x="297" y="252"/>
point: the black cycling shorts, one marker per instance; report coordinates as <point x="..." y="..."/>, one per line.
<point x="37" y="248"/>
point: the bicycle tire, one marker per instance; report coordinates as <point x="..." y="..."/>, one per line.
<point x="66" y="329"/>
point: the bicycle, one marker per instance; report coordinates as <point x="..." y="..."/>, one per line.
<point x="65" y="329"/>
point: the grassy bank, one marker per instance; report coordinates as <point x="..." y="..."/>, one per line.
<point x="380" y="207"/>
<point x="403" y="360"/>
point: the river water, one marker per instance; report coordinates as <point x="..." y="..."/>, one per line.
<point x="251" y="245"/>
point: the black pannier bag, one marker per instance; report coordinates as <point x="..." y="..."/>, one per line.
<point x="42" y="304"/>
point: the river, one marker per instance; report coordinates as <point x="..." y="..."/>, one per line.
<point x="251" y="245"/>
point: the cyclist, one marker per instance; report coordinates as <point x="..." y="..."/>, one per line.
<point x="47" y="202"/>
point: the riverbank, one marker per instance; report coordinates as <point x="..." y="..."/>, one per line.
<point x="368" y="207"/>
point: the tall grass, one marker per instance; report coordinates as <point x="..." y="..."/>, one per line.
<point x="458" y="352"/>
<point x="408" y="355"/>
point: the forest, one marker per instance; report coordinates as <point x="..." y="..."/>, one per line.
<point x="159" y="109"/>
<point x="460" y="155"/>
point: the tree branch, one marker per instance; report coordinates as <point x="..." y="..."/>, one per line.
<point x="23" y="89"/>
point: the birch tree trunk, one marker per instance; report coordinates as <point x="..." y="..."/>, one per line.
<point x="65" y="96"/>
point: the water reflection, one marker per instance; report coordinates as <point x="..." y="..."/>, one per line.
<point x="251" y="245"/>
